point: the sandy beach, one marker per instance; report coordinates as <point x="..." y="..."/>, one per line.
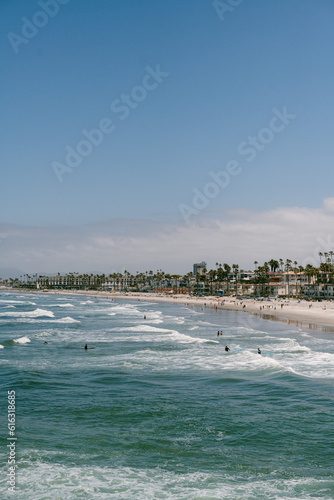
<point x="303" y="312"/>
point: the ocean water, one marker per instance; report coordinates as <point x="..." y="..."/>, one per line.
<point x="159" y="410"/>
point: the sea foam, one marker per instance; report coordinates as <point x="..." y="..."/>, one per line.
<point x="61" y="305"/>
<point x="22" y="340"/>
<point x="148" y="483"/>
<point x="28" y="314"/>
<point x="66" y="319"/>
<point x="18" y="302"/>
<point x="169" y="334"/>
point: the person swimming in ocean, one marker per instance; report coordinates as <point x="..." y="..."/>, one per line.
<point x="258" y="350"/>
<point x="227" y="348"/>
<point x="86" y="347"/>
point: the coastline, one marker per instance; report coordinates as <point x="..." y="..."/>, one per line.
<point x="313" y="315"/>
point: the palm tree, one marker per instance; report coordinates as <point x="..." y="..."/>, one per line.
<point x="220" y="275"/>
<point x="176" y="278"/>
<point x="288" y="269"/>
<point x="320" y="255"/>
<point x="212" y="275"/>
<point x="274" y="265"/>
<point x="261" y="278"/>
<point x="331" y="253"/>
<point x="301" y="271"/>
<point x="203" y="277"/>
<point x="235" y="268"/>
<point x="242" y="278"/>
<point x="227" y="270"/>
<point x="295" y="270"/>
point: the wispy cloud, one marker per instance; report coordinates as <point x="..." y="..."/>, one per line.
<point x="237" y="235"/>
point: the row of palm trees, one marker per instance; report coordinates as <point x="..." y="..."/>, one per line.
<point x="209" y="281"/>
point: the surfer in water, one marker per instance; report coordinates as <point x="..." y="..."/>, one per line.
<point x="258" y="350"/>
<point x="227" y="348"/>
<point x="86" y="347"/>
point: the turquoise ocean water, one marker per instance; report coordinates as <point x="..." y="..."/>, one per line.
<point x="159" y="410"/>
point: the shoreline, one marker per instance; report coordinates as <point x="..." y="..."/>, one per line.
<point x="312" y="315"/>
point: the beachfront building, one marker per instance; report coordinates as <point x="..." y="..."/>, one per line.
<point x="42" y="282"/>
<point x="200" y="268"/>
<point x="71" y="281"/>
<point x="318" y="292"/>
<point x="293" y="282"/>
<point x="275" y="284"/>
<point x="265" y="281"/>
<point x="118" y="282"/>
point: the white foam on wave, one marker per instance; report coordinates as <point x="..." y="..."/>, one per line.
<point x="66" y="319"/>
<point x="168" y="335"/>
<point x="309" y="364"/>
<point x="185" y="339"/>
<point x="312" y="364"/>
<point x="126" y="309"/>
<point x="37" y="479"/>
<point x="2" y="346"/>
<point x="43" y="334"/>
<point x="28" y="314"/>
<point x="143" y="328"/>
<point x="85" y="302"/>
<point x="19" y="302"/>
<point x="22" y="340"/>
<point x="131" y="310"/>
<point x="179" y="320"/>
<point x="245" y="360"/>
<point x="207" y="323"/>
<point x="246" y="329"/>
<point x="207" y="360"/>
<point x="61" y="305"/>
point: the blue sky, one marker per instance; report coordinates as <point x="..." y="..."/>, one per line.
<point x="225" y="78"/>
